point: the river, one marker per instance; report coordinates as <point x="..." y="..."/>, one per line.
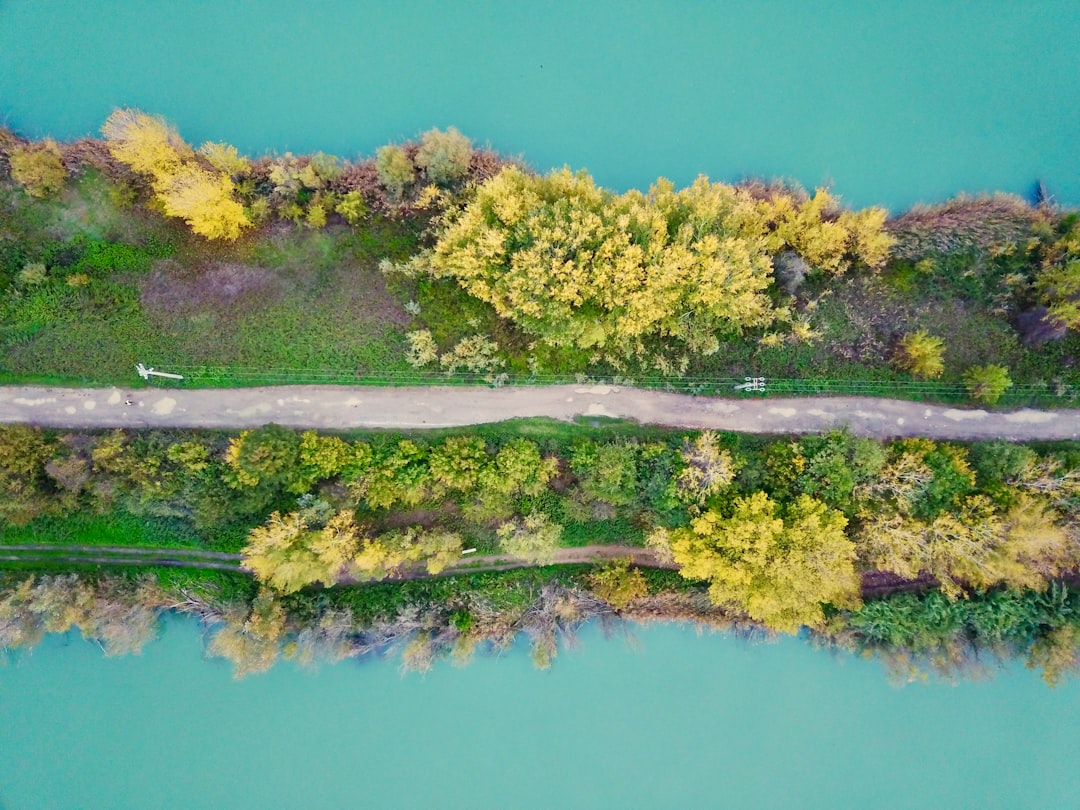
<point x="890" y="102"/>
<point x="667" y="718"/>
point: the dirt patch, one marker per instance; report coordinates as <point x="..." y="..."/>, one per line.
<point x="173" y="289"/>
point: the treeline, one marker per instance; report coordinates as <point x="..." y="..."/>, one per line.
<point x="780" y="530"/>
<point x="454" y="618"/>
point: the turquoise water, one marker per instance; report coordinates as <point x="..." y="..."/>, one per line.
<point x="891" y="102"/>
<point x="672" y="720"/>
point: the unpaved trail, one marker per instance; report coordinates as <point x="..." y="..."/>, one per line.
<point x="341" y="407"/>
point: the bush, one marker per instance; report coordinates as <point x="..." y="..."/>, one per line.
<point x="395" y="168"/>
<point x="921" y="354"/>
<point x="444" y="156"/>
<point x="37" y="168"/>
<point x="987" y="383"/>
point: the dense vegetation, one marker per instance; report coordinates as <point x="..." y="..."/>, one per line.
<point x="268" y="269"/>
<point x="781" y="532"/>
<point x="435" y="256"/>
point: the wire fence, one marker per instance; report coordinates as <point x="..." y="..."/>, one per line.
<point x="1044" y="394"/>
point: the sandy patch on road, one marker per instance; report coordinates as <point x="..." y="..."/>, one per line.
<point x="165" y="406"/>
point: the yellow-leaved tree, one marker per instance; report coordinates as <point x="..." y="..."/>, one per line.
<point x="202" y="197"/>
<point x="778" y="565"/>
<point x="205" y="201"/>
<point x="286" y="555"/>
<point x="577" y="265"/>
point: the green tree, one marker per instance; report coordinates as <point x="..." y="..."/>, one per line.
<point x="395" y="168"/>
<point x="444" y="156"/>
<point x="37" y="168"/>
<point x="24" y="453"/>
<point x="607" y="471"/>
<point x="266" y="457"/>
<point x="284" y="554"/>
<point x="921" y="355"/>
<point x="618" y="584"/>
<point x="987" y="383"/>
<point x="776" y="564"/>
<point x="456" y="463"/>
<point x="534" y="538"/>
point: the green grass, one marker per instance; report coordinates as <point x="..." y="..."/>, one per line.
<point x="83" y="528"/>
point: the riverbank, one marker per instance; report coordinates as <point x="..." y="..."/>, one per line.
<point x="331" y="279"/>
<point x="850" y="519"/>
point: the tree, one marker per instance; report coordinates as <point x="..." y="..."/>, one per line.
<point x="251" y="638"/>
<point x="185" y="189"/>
<point x="37" y="168"/>
<point x="534" y="538"/>
<point x="821" y="233"/>
<point x="921" y="354"/>
<point x="607" y="471"/>
<point x="395" y="169"/>
<point x="266" y="457"/>
<point x="146" y="143"/>
<point x="618" y="584"/>
<point x="225" y="158"/>
<point x="1058" y="280"/>
<point x="972" y="545"/>
<point x="776" y="564"/>
<point x="444" y="156"/>
<point x="24" y="453"/>
<point x="204" y="201"/>
<point x="286" y="555"/>
<point x="707" y="470"/>
<point x="401" y="476"/>
<point x="987" y="383"/>
<point x="518" y="469"/>
<point x="573" y="264"/>
<point x="456" y="463"/>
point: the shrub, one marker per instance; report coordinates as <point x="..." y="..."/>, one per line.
<point x="352" y="207"/>
<point x="987" y="383"/>
<point x="921" y="354"/>
<point x="475" y="354"/>
<point x="225" y="158"/>
<point x="37" y="168"/>
<point x="32" y="274"/>
<point x="422" y="348"/>
<point x="395" y="168"/>
<point x="444" y="156"/>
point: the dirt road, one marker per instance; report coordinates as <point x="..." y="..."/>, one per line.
<point x="338" y="407"/>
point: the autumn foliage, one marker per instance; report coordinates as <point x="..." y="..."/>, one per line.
<point x="577" y="265"/>
<point x="200" y="195"/>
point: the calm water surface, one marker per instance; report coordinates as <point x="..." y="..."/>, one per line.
<point x="674" y="720"/>
<point x="891" y="102"/>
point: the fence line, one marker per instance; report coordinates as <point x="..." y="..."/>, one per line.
<point x="745" y="387"/>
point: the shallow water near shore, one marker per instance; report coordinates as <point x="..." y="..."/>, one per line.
<point x="669" y="720"/>
<point x="890" y="102"/>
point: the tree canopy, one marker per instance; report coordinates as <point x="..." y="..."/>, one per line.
<point x="777" y="564"/>
<point x="577" y="265"/>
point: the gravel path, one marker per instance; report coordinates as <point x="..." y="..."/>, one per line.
<point x="339" y="407"/>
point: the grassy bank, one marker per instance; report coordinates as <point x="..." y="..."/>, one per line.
<point x="94" y="279"/>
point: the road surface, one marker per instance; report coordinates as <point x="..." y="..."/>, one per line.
<point x="340" y="407"/>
